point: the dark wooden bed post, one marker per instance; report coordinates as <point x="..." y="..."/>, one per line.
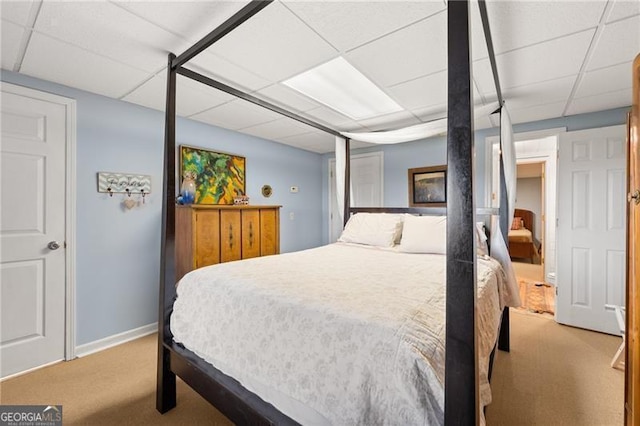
<point x="166" y="379"/>
<point x="461" y="393"/>
<point x="347" y="182"/>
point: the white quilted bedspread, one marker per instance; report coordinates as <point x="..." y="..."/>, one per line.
<point x="355" y="335"/>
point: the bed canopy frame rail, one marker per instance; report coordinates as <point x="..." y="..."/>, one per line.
<point x="224" y="392"/>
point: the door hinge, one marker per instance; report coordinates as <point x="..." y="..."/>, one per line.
<point x="556" y="290"/>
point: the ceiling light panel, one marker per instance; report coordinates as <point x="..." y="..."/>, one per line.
<point x="338" y="85"/>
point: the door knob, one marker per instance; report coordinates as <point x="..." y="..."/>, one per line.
<point x="635" y="197"/>
<point x="53" y="245"/>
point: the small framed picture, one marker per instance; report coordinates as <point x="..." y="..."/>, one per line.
<point x="428" y="186"/>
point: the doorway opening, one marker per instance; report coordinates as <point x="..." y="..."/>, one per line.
<point x="534" y="256"/>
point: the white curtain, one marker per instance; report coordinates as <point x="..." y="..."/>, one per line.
<point x="419" y="131"/>
<point x="508" y="150"/>
<point x="341" y="159"/>
<point x="499" y="249"/>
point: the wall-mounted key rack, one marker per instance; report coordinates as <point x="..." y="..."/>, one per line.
<point x="122" y="183"/>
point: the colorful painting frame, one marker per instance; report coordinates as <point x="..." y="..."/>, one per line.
<point x="428" y="186"/>
<point x="220" y="176"/>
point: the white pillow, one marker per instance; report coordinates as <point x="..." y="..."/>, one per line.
<point x="373" y="229"/>
<point x="424" y="234"/>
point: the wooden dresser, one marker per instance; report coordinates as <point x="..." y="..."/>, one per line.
<point x="209" y="234"/>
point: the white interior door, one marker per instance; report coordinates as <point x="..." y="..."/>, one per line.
<point x="591" y="228"/>
<point x="32" y="269"/>
<point x="366" y="187"/>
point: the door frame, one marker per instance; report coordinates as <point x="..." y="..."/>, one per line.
<point x="332" y="162"/>
<point x="533" y="156"/>
<point x="70" y="205"/>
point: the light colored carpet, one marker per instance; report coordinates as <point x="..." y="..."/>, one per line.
<point x="113" y="387"/>
<point x="554" y="375"/>
<point x="528" y="271"/>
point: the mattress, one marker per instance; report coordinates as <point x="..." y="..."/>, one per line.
<point x="522" y="235"/>
<point x="339" y="334"/>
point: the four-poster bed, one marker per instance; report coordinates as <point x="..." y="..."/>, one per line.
<point x="461" y="398"/>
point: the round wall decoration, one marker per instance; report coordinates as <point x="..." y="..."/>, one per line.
<point x="267" y="191"/>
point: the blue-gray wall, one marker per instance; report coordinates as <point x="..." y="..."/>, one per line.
<point x="118" y="252"/>
<point x="399" y="158"/>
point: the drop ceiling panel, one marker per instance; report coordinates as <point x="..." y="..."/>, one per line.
<point x="287" y="98"/>
<point x="347" y="25"/>
<point x="623" y="9"/>
<point x="224" y="71"/>
<point x="421" y="92"/>
<point x="277" y="129"/>
<point x="397" y="120"/>
<point x="523" y="23"/>
<point x="621" y="98"/>
<point x="108" y="30"/>
<point x="190" y="19"/>
<point x="333" y="119"/>
<point x="10" y="43"/>
<point x="316" y="141"/>
<point x="431" y="113"/>
<point x="540" y="112"/>
<point x="274" y="43"/>
<point x="412" y="52"/>
<point x="78" y="68"/>
<point x="615" y="78"/>
<point x="192" y="97"/>
<point x="545" y="61"/>
<point x="539" y="93"/>
<point x="17" y="12"/>
<point x="620" y="42"/>
<point x="237" y="114"/>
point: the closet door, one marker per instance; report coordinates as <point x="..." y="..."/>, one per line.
<point x="230" y="235"/>
<point x="250" y="233"/>
<point x="207" y="237"/>
<point x="269" y="232"/>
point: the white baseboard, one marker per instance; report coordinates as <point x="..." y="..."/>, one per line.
<point x="115" y="340"/>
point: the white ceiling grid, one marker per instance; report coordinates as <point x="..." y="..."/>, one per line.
<point x="554" y="57"/>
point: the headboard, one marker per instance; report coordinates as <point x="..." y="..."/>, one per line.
<point x="527" y="218"/>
